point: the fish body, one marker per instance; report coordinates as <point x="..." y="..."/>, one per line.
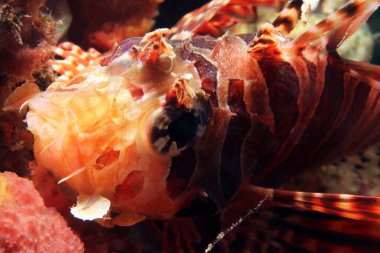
<point x="167" y="126"/>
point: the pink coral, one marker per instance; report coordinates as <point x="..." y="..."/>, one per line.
<point x="26" y="225"/>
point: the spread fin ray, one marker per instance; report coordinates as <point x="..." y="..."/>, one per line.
<point x="303" y="222"/>
<point x="216" y="16"/>
<point x="340" y="25"/>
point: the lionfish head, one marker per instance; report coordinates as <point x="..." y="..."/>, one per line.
<point x="112" y="131"/>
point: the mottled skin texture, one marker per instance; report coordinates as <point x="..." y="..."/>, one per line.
<point x="27" y="225"/>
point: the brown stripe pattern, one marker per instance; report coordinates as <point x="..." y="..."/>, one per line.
<point x="294" y="113"/>
<point x="239" y="125"/>
<point x="287" y="20"/>
<point x="337" y="127"/>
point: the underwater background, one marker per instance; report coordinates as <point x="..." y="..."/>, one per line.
<point x="121" y="239"/>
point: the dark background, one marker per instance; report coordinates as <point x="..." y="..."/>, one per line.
<point x="173" y="10"/>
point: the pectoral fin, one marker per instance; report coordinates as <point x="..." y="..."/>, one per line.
<point x="91" y="207"/>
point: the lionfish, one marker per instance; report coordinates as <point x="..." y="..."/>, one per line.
<point x="200" y="132"/>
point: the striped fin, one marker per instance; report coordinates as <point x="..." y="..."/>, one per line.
<point x="341" y="24"/>
<point x="319" y="132"/>
<point x="344" y="205"/>
<point x="302" y="222"/>
<point x="270" y="34"/>
<point x="226" y="18"/>
<point x="287" y="20"/>
<point x="190" y="23"/>
<point x="365" y="72"/>
<point x="364" y="208"/>
<point x="216" y="16"/>
<point x="366" y="69"/>
<point x="75" y="59"/>
<point x="279" y="229"/>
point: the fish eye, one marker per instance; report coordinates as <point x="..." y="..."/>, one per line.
<point x="183" y="129"/>
<point x="176" y="128"/>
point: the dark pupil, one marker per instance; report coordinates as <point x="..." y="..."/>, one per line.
<point x="183" y="129"/>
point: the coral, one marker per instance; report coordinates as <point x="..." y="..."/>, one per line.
<point x="102" y="23"/>
<point x="26" y="38"/>
<point x="27" y="225"/>
<point x="26" y="43"/>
